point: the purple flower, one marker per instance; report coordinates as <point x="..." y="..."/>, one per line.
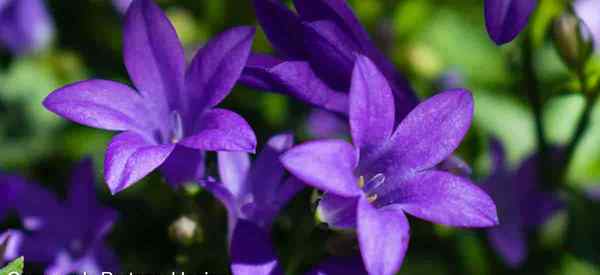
<point x="318" y="46"/>
<point x="324" y="124"/>
<point x="505" y="19"/>
<point x="253" y="254"/>
<point x="65" y="236"/>
<point x="587" y="10"/>
<point x="388" y="172"/>
<point x="254" y="192"/>
<point x="25" y="26"/>
<point x="522" y="206"/>
<point x="171" y="119"/>
<point x="122" y="5"/>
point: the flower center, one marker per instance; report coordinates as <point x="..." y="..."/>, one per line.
<point x="176" y="127"/>
<point x="370" y="187"/>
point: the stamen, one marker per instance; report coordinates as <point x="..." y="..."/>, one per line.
<point x="361" y="182"/>
<point x="177" y="127"/>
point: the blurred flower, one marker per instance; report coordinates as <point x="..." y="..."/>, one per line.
<point x="65" y="236"/>
<point x="318" y="48"/>
<point x="324" y="124"/>
<point x="522" y="206"/>
<point x="25" y="26"/>
<point x="587" y="10"/>
<point x="505" y="19"/>
<point x="386" y="173"/>
<point x="253" y="253"/>
<point x="171" y="119"/>
<point x="122" y="5"/>
<point x="254" y="192"/>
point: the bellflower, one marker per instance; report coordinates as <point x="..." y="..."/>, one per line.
<point x="64" y="236"/>
<point x="254" y="192"/>
<point x="25" y="26"/>
<point x="388" y="172"/>
<point x="252" y="254"/>
<point x="522" y="205"/>
<point x="318" y="46"/>
<point x="505" y="19"/>
<point x="587" y="11"/>
<point x="171" y="119"/>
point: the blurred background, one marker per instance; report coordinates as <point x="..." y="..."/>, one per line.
<point x="437" y="44"/>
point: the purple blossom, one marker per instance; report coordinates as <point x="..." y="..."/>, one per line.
<point x="254" y="192"/>
<point x="324" y="124"/>
<point x="25" y="26"/>
<point x="64" y="236"/>
<point x="318" y="47"/>
<point x="122" y="5"/>
<point x="521" y="204"/>
<point x="505" y="19"/>
<point x="587" y="10"/>
<point x="388" y="172"/>
<point x="171" y="119"/>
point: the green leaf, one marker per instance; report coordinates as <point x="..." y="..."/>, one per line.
<point x="15" y="267"/>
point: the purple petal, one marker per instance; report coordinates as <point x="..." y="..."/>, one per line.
<point x="122" y="5"/>
<point x="183" y="165"/>
<point x="10" y="245"/>
<point x="217" y="67"/>
<point x="129" y="158"/>
<point x="256" y="74"/>
<point x="267" y="172"/>
<point x="427" y="136"/>
<point x="331" y="53"/>
<point x="510" y="241"/>
<point x="252" y="252"/>
<point x="100" y="104"/>
<point x="230" y="203"/>
<point x="153" y="55"/>
<point x="323" y="125"/>
<point x="25" y="26"/>
<point x="539" y="207"/>
<point x="340" y="266"/>
<point x="338" y="212"/>
<point x="233" y="171"/>
<point x="37" y="210"/>
<point x="371" y="106"/>
<point x="300" y="81"/>
<point x="383" y="236"/>
<point x="327" y="165"/>
<point x="221" y="130"/>
<point x="506" y="18"/>
<point x="587" y="11"/>
<point x="498" y="155"/>
<point x="442" y="198"/>
<point x="278" y="22"/>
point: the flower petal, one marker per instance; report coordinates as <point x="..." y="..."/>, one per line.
<point x="340" y="266"/>
<point x="442" y="198"/>
<point x="371" y="106"/>
<point x="322" y="124"/>
<point x="219" y="191"/>
<point x="383" y="236"/>
<point x="300" y="81"/>
<point x="221" y="130"/>
<point x="101" y="104"/>
<point x="331" y="53"/>
<point x="25" y="26"/>
<point x="267" y="172"/>
<point x="256" y="74"/>
<point x="427" y="136"/>
<point x="278" y="22"/>
<point x="326" y="164"/>
<point x="217" y="67"/>
<point x="252" y="252"/>
<point x="153" y="55"/>
<point x="184" y="165"/>
<point x="338" y="212"/>
<point x="129" y="158"/>
<point x="233" y="170"/>
<point x="506" y="18"/>
<point x="510" y="242"/>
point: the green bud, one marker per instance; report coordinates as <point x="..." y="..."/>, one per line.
<point x="573" y="40"/>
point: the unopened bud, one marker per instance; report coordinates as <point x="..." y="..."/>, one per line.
<point x="573" y="40"/>
<point x="184" y="230"/>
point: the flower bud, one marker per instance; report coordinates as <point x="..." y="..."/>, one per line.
<point x="184" y="230"/>
<point x="573" y="40"/>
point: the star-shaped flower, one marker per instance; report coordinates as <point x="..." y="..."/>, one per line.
<point x="171" y="119"/>
<point x="388" y="172"/>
